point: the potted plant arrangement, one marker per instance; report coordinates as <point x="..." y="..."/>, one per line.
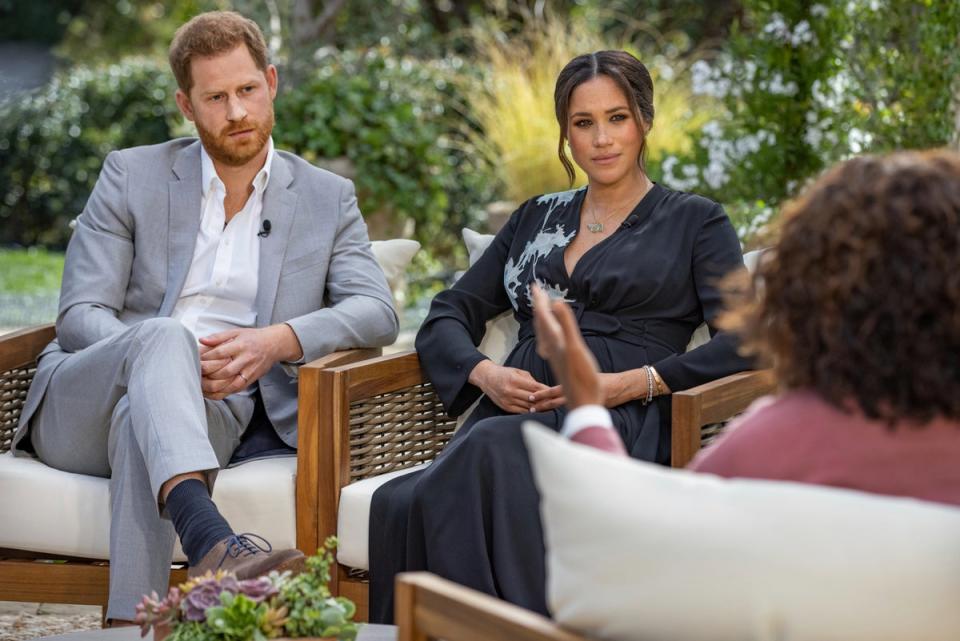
<point x="218" y="607"/>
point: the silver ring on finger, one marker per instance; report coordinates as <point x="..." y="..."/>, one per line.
<point x="240" y="374"/>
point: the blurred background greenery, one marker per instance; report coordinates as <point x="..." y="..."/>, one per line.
<point x="440" y="108"/>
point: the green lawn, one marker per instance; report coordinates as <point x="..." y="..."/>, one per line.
<point x="30" y="271"/>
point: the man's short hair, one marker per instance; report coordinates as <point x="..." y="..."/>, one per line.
<point x="210" y="34"/>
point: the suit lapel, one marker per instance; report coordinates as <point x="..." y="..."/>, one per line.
<point x="184" y="223"/>
<point x="279" y="207"/>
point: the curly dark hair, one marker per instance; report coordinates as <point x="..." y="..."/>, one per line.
<point x="859" y="298"/>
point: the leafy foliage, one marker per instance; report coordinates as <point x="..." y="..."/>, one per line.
<point x="53" y="141"/>
<point x="37" y="21"/>
<point x="237" y="618"/>
<point x="806" y="84"/>
<point x="398" y="120"/>
<point x="313" y="612"/>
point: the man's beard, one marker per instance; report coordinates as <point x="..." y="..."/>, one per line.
<point x="232" y="152"/>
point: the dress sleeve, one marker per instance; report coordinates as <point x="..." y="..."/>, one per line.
<point x="716" y="253"/>
<point x="447" y="340"/>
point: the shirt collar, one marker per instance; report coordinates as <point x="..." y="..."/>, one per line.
<point x="209" y="177"/>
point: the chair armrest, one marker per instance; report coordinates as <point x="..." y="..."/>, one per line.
<point x="21" y="348"/>
<point x="345" y="357"/>
<point x="711" y="403"/>
<point x="357" y="419"/>
<point x="429" y="607"/>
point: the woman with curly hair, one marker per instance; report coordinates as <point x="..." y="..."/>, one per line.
<point x="860" y="314"/>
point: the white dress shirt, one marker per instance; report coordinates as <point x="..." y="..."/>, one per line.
<point x="221" y="287"/>
<point x="586" y="416"/>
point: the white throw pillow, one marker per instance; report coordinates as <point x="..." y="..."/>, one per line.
<point x="502" y="330"/>
<point x="394" y="256"/>
<point x="702" y="334"/>
<point x="637" y="552"/>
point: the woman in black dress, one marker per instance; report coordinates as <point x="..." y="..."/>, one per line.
<point x="638" y="263"/>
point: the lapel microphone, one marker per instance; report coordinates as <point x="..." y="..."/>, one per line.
<point x="264" y="229"/>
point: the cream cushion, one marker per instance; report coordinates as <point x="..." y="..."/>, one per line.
<point x="502" y="330"/>
<point x="636" y="551"/>
<point x="46" y="510"/>
<point x="394" y="257"/>
<point x="353" y="518"/>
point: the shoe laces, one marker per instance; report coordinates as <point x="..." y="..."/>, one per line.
<point x="244" y="545"/>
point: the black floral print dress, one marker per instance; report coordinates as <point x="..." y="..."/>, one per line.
<point x="473" y="515"/>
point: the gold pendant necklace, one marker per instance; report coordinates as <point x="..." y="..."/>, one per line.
<point x="596" y="227"/>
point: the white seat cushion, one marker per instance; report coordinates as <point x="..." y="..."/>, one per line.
<point x="353" y="518"/>
<point x="636" y="551"/>
<point x="46" y="510"/>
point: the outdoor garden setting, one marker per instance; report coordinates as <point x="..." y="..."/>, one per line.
<point x="442" y="113"/>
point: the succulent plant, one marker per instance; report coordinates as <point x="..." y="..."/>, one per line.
<point x="218" y="607"/>
<point x="154" y="611"/>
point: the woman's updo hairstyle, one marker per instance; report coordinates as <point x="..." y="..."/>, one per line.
<point x="625" y="70"/>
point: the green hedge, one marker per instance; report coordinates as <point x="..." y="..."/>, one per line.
<point x="52" y="143"/>
<point x="396" y="119"/>
<point x="399" y="121"/>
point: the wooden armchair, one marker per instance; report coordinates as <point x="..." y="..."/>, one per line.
<point x="54" y="578"/>
<point x="381" y="415"/>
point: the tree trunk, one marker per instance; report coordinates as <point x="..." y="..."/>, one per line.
<point x="313" y="26"/>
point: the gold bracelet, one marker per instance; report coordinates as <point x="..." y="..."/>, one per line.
<point x="658" y="381"/>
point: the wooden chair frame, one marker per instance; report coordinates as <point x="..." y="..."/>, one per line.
<point x="429" y="607"/>
<point x="382" y="415"/>
<point x="45" y="578"/>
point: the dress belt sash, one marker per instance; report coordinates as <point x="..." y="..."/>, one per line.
<point x="672" y="335"/>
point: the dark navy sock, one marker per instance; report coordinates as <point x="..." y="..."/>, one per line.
<point x="196" y="519"/>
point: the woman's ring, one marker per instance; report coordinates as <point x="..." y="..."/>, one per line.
<point x="240" y="374"/>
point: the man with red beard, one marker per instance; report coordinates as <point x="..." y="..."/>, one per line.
<point x="200" y="274"/>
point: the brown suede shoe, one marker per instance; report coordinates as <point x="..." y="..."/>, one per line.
<point x="248" y="559"/>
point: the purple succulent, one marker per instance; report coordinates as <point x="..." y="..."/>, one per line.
<point x="153" y="612"/>
<point x="204" y="593"/>
<point x="259" y="589"/>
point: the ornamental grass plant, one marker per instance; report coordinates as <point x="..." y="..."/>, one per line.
<point x="515" y="109"/>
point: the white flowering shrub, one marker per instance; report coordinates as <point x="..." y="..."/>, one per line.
<point x="804" y="84"/>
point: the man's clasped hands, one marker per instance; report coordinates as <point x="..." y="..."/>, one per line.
<point x="234" y="359"/>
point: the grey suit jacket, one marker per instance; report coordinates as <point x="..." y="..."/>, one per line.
<point x="134" y="242"/>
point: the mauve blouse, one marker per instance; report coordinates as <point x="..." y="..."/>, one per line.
<point x="800" y="437"/>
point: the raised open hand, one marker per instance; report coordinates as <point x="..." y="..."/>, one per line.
<point x="559" y="342"/>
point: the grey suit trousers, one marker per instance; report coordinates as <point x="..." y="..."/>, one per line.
<point x="130" y="408"/>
